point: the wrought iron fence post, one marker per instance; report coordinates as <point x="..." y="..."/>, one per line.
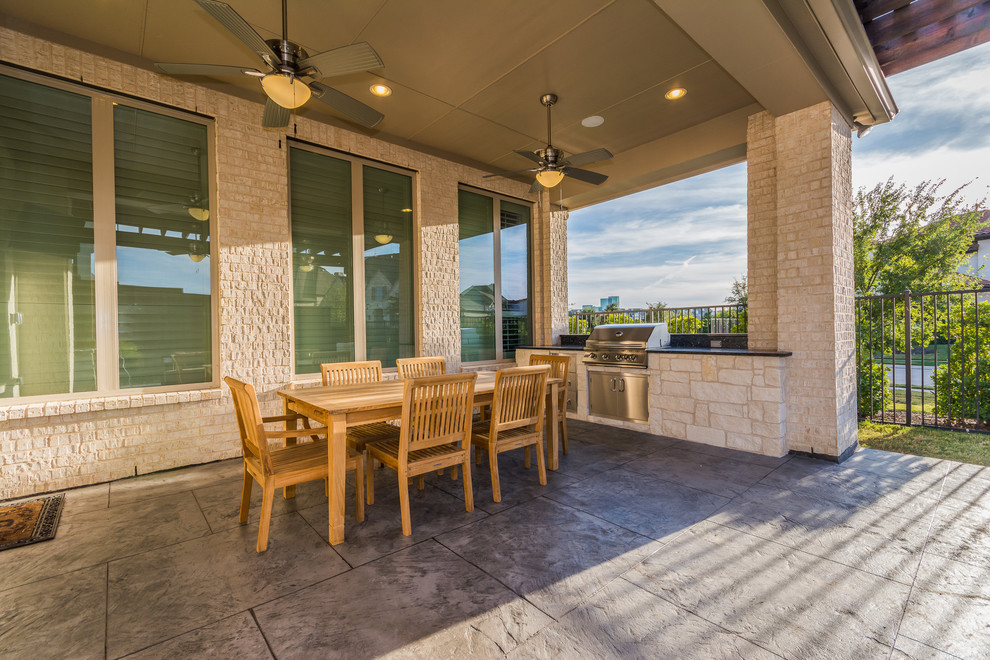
<point x="907" y="355"/>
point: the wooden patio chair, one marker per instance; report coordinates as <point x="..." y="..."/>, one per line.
<point x="435" y="434"/>
<point x="560" y="367"/>
<point x="518" y="410"/>
<point x="358" y="437"/>
<point x="277" y="468"/>
<point x="419" y="367"/>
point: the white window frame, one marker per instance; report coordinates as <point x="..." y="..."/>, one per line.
<point x="105" y="241"/>
<point x="357" y="246"/>
<point x="497" y="200"/>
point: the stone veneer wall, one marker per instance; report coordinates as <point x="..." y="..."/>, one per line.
<point x="62" y="443"/>
<point x="801" y="269"/>
<point x="734" y="401"/>
<point x="558" y="275"/>
<point x="722" y="400"/>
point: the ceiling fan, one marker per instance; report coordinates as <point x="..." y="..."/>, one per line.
<point x="286" y="64"/>
<point x="553" y="166"/>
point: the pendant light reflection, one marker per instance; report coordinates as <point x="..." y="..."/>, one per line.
<point x="197" y="252"/>
<point x="199" y="213"/>
<point x="383" y="239"/>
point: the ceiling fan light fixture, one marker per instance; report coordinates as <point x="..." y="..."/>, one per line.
<point x="383" y="239"/>
<point x="676" y="93"/>
<point x="288" y="91"/>
<point x="198" y="213"/>
<point x="549" y="178"/>
<point x="381" y="90"/>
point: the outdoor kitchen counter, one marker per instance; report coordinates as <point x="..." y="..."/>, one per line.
<point x="726" y="397"/>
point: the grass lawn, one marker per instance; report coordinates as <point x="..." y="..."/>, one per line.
<point x="940" y="356"/>
<point x="953" y="445"/>
<point x="900" y="400"/>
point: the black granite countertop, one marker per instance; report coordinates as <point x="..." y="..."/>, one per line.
<point x="691" y="351"/>
<point x="722" y="351"/>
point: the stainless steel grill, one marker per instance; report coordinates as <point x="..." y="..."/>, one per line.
<point x="624" y="345"/>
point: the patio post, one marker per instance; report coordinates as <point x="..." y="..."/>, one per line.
<point x="800" y="269"/>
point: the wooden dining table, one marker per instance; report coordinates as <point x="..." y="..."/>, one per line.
<point x="340" y="406"/>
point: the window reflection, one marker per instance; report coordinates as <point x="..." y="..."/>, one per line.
<point x="322" y="263"/>
<point x="514" y="249"/>
<point x="163" y="249"/>
<point x="476" y="256"/>
<point x="48" y="342"/>
<point x="388" y="298"/>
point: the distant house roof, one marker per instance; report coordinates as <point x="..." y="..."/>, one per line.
<point x="982" y="233"/>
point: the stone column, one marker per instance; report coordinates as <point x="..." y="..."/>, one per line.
<point x="542" y="272"/>
<point x="558" y="274"/>
<point x="801" y="270"/>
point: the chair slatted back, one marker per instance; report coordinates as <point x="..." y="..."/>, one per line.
<point x="421" y="367"/>
<point x="351" y="373"/>
<point x="560" y="367"/>
<point x="254" y="439"/>
<point x="520" y="398"/>
<point x="436" y="410"/>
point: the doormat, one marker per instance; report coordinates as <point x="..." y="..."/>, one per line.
<point x="24" y="523"/>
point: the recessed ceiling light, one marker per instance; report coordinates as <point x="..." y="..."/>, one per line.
<point x="381" y="90"/>
<point x="592" y="121"/>
<point x="676" y="93"/>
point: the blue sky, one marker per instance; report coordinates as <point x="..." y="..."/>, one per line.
<point x="685" y="242"/>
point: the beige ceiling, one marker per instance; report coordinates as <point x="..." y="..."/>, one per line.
<point x="467" y="75"/>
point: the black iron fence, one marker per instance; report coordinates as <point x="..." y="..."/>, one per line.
<point x="924" y="359"/>
<point x="714" y="319"/>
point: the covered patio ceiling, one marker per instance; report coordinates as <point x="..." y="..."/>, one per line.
<point x="467" y="76"/>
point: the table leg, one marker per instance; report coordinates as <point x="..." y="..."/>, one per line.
<point x="337" y="471"/>
<point x="289" y="491"/>
<point x="553" y="437"/>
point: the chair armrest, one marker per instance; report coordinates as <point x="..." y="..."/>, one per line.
<point x="296" y="433"/>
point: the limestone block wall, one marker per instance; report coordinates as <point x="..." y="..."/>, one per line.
<point x="734" y="401"/>
<point x="801" y="269"/>
<point x="722" y="400"/>
<point x="558" y="274"/>
<point x="70" y="441"/>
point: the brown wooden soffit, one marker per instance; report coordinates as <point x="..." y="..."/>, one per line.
<point x="906" y="34"/>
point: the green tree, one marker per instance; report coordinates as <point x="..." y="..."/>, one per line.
<point x="911" y="238"/>
<point x="612" y="307"/>
<point x="962" y="385"/>
<point x="738" y="293"/>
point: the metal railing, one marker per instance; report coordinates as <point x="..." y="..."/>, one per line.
<point x="715" y="319"/>
<point x="924" y="359"/>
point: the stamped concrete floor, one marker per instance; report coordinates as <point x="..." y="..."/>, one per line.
<point x="638" y="547"/>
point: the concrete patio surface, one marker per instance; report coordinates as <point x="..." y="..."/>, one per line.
<point x="638" y="547"/>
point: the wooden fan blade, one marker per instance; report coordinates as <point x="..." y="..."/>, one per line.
<point x="237" y="26"/>
<point x="275" y="115"/>
<point x="341" y="61"/>
<point x="176" y="69"/>
<point x="594" y="178"/>
<point x="349" y="107"/>
<point x="586" y="157"/>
